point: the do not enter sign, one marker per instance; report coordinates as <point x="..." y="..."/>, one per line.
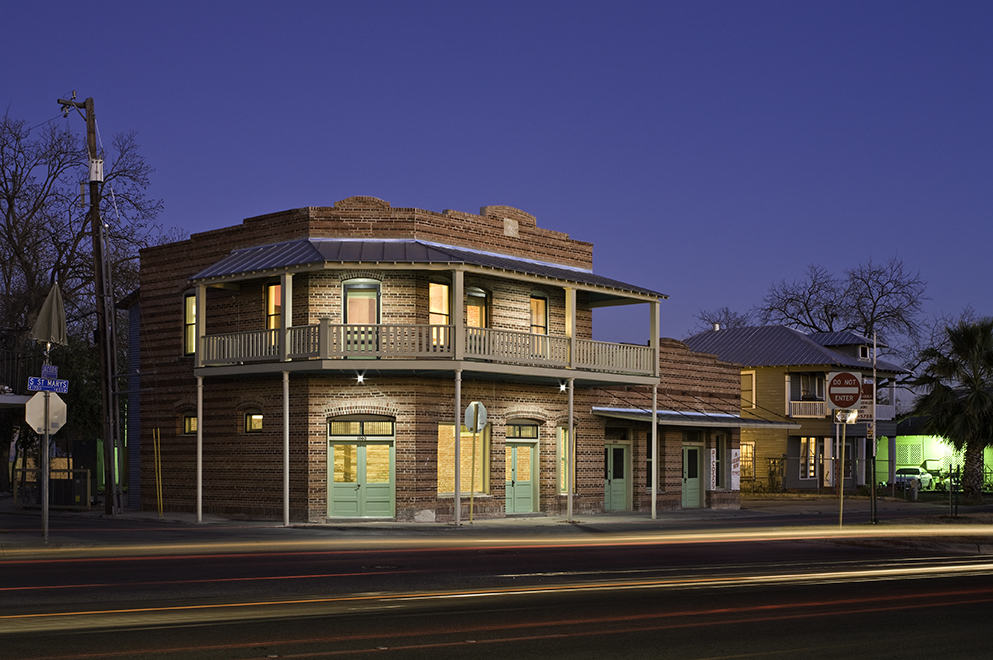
<point x="844" y="389"/>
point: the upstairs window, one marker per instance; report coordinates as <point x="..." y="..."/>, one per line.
<point x="361" y="302"/>
<point x="748" y="389"/>
<point x="439" y="311"/>
<point x="477" y="308"/>
<point x="273" y="306"/>
<point x="539" y="314"/>
<point x="189" y="324"/>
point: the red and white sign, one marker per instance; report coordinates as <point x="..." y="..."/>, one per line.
<point x="844" y="389"/>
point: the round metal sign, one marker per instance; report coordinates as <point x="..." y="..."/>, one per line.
<point x="844" y="389"/>
<point x="475" y="417"/>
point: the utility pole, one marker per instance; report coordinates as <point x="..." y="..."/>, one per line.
<point x="105" y="336"/>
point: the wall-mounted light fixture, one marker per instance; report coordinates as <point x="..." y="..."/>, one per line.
<point x="360" y="379"/>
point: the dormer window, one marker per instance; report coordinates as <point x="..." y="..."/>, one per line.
<point x="864" y="352"/>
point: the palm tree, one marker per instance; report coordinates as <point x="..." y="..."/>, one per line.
<point x="957" y="403"/>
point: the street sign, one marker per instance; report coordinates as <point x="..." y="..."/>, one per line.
<point x="34" y="413"/>
<point x="49" y="371"/>
<point x="48" y="385"/>
<point x="844" y="389"/>
<point x="475" y="417"/>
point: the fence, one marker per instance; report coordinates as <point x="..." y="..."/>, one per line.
<point x="73" y="490"/>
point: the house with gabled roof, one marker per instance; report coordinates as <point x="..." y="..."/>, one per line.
<point x="783" y="376"/>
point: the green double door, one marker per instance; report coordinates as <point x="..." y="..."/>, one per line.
<point x="361" y="483"/>
<point x="520" y="478"/>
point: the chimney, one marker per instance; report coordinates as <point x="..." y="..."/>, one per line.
<point x="717" y="326"/>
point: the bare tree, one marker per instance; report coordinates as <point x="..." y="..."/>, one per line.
<point x="724" y="317"/>
<point x="45" y="232"/>
<point x="45" y="236"/>
<point x="883" y="299"/>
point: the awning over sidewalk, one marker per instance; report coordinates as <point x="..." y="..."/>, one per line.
<point x="13" y="400"/>
<point x="688" y="418"/>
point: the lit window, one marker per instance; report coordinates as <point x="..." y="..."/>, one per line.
<point x="273" y="306"/>
<point x="525" y="430"/>
<point x="189" y="324"/>
<point x="361" y="302"/>
<point x="539" y="314"/>
<point x="747" y="460"/>
<point x="253" y="422"/>
<point x="562" y="434"/>
<point x="808" y="458"/>
<point x="439" y="313"/>
<point x="475" y="472"/>
<point x="476" y="308"/>
<point x="189" y="424"/>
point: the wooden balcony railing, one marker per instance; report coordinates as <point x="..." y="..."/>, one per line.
<point x="328" y="341"/>
<point x="808" y="409"/>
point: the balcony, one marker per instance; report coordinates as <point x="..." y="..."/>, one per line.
<point x="808" y="408"/>
<point x="328" y="341"/>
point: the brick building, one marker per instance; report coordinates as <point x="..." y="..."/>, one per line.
<point x="314" y="364"/>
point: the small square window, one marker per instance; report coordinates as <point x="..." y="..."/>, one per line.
<point x="189" y="424"/>
<point x="253" y="422"/>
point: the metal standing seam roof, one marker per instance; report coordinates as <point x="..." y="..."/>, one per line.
<point x="775" y="346"/>
<point x="316" y="252"/>
<point x="690" y="418"/>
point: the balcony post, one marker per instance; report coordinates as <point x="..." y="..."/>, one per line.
<point x="653" y="335"/>
<point x="324" y="339"/>
<point x="570" y="324"/>
<point x="458" y="315"/>
<point x="285" y="314"/>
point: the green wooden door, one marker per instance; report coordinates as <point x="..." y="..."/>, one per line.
<point x="520" y="478"/>
<point x="615" y="489"/>
<point x="691" y="477"/>
<point x="361" y="483"/>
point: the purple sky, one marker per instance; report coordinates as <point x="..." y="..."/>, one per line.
<point x="707" y="149"/>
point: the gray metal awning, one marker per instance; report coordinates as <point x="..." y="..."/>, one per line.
<point x="317" y="254"/>
<point x="13" y="400"/>
<point x="688" y="418"/>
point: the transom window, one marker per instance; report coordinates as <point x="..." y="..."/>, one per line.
<point x="522" y="429"/>
<point x="365" y="427"/>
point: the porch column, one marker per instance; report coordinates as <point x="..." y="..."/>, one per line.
<point x="655" y="449"/>
<point x="653" y="334"/>
<point x="286" y="449"/>
<point x="458" y="447"/>
<point x="570" y="324"/>
<point x="570" y="456"/>
<point x="199" y="446"/>
<point x="458" y="327"/>
<point x="285" y="313"/>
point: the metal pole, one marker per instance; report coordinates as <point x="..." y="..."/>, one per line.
<point x="199" y="449"/>
<point x="44" y="471"/>
<point x="286" y="448"/>
<point x="458" y="447"/>
<point x="841" y="478"/>
<point x="570" y="456"/>
<point x="872" y="500"/>
<point x="655" y="450"/>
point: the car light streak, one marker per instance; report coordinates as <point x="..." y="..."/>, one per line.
<point x="233" y="610"/>
<point x="661" y="536"/>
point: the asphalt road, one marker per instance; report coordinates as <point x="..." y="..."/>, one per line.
<point x="691" y="588"/>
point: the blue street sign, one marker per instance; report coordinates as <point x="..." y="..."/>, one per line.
<point x="49" y="371"/>
<point x="48" y="385"/>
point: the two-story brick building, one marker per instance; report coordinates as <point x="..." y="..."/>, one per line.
<point x="315" y="364"/>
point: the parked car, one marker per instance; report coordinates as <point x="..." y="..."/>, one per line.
<point x="910" y="475"/>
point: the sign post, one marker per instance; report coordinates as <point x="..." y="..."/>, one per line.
<point x="45" y="413"/>
<point x="475" y="421"/>
<point x="844" y="391"/>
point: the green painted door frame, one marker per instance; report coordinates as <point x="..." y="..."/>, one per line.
<point x="520" y="485"/>
<point x="692" y="481"/>
<point x="616" y="481"/>
<point x="361" y="479"/>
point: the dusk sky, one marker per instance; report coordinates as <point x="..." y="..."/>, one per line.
<point x="706" y="149"/>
